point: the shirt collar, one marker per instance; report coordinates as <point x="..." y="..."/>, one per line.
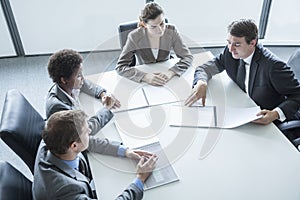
<point x="74" y="98"/>
<point x="73" y="163"/>
<point x="249" y="58"/>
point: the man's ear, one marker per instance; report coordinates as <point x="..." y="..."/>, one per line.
<point x="253" y="42"/>
<point x="63" y="80"/>
<point x="73" y="146"/>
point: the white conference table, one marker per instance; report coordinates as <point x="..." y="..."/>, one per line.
<point x="248" y="162"/>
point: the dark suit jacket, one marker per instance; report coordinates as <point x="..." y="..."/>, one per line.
<point x="138" y="44"/>
<point x="57" y="101"/>
<point x="54" y="179"/>
<point x="271" y="82"/>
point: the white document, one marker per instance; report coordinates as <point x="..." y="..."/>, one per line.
<point x="212" y="116"/>
<point x="139" y="127"/>
<point x="130" y="101"/>
<point x="159" y="95"/>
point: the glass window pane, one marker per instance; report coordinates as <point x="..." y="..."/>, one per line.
<point x="46" y="26"/>
<point x="284" y="22"/>
<point x="6" y="47"/>
<point x="205" y="22"/>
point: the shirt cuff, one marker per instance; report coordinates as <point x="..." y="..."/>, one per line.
<point x="281" y="114"/>
<point x="121" y="151"/>
<point x="98" y="92"/>
<point x="139" y="183"/>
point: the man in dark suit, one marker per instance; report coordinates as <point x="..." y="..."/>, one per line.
<point x="61" y="171"/>
<point x="265" y="78"/>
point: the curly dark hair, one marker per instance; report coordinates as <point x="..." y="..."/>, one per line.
<point x="244" y="28"/>
<point x="62" y="129"/>
<point x="63" y="64"/>
<point x="150" y="12"/>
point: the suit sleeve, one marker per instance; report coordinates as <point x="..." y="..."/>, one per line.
<point x="132" y="192"/>
<point x="99" y="120"/>
<point x="103" y="146"/>
<point x="288" y="86"/>
<point x="206" y="71"/>
<point x="182" y="52"/>
<point x="123" y="67"/>
<point x="92" y="89"/>
<point x="71" y="192"/>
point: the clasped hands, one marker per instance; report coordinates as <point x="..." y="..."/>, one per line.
<point x="146" y="162"/>
<point x="158" y="79"/>
<point x="199" y="92"/>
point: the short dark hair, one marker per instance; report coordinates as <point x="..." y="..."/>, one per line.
<point x="244" y="28"/>
<point x="63" y="64"/>
<point x="151" y="11"/>
<point x="62" y="129"/>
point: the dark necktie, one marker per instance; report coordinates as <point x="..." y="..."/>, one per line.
<point x="241" y="74"/>
<point x="84" y="169"/>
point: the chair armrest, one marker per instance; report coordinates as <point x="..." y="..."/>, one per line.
<point x="289" y="125"/>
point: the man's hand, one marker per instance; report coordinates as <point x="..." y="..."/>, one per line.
<point x="198" y="92"/>
<point x="145" y="167"/>
<point x="110" y="101"/>
<point x="137" y="154"/>
<point x="268" y="117"/>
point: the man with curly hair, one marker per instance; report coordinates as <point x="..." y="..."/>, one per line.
<point x="65" y="69"/>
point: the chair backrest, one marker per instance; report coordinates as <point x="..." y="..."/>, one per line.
<point x="294" y="63"/>
<point x="124" y="30"/>
<point x="13" y="184"/>
<point x="21" y="127"/>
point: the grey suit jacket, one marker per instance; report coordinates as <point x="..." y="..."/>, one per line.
<point x="271" y="82"/>
<point x="53" y="179"/>
<point x="138" y="44"/>
<point x="57" y="101"/>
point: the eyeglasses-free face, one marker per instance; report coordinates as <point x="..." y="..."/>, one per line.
<point x="157" y="26"/>
<point x="239" y="48"/>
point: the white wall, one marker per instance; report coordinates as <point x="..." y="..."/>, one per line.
<point x="6" y="45"/>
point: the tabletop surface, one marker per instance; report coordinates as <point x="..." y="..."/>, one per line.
<point x="248" y="162"/>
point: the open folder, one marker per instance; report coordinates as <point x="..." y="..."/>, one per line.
<point x="212" y="116"/>
<point x="163" y="172"/>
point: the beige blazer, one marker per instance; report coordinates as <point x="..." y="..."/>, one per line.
<point x="138" y="45"/>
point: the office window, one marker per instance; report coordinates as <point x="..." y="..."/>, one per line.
<point x="46" y="26"/>
<point x="284" y="22"/>
<point x="6" y="45"/>
<point x="205" y="22"/>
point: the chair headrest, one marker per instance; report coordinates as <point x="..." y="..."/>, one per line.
<point x="13" y="184"/>
<point x="21" y="119"/>
<point x="294" y="63"/>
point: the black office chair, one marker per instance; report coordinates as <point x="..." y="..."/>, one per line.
<point x="13" y="184"/>
<point x="124" y="29"/>
<point x="292" y="128"/>
<point x="21" y="127"/>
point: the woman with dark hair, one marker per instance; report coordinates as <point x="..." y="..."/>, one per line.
<point x="152" y="42"/>
<point x="65" y="69"/>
